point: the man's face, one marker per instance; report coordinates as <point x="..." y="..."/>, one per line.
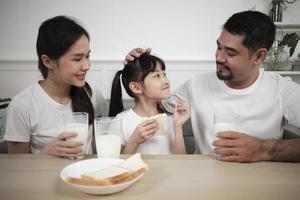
<point x="235" y="63"/>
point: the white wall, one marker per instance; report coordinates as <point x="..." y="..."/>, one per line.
<point x="182" y="32"/>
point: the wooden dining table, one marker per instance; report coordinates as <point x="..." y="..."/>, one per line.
<point x="187" y="177"/>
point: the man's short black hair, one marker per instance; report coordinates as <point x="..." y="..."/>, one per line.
<point x="256" y="27"/>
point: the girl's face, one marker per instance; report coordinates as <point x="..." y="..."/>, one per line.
<point x="156" y="85"/>
<point x="71" y="68"/>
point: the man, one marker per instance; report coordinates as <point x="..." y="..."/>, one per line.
<point x="263" y="101"/>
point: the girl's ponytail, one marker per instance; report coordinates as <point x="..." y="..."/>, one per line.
<point x="116" y="103"/>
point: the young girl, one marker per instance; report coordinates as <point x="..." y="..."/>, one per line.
<point x="145" y="80"/>
<point x="34" y="120"/>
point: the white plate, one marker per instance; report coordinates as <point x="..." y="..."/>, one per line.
<point x="85" y="166"/>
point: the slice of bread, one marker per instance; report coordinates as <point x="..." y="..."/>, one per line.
<point x="115" y="174"/>
<point x="161" y="120"/>
<point x="88" y="181"/>
<point x="133" y="163"/>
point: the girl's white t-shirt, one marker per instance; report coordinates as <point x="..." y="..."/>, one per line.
<point x="157" y="144"/>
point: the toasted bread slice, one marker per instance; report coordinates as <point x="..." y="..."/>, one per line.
<point x="131" y="176"/>
<point x="115" y="174"/>
<point x="89" y="181"/>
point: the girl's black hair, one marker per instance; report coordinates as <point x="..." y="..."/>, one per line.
<point x="134" y="71"/>
<point x="55" y="37"/>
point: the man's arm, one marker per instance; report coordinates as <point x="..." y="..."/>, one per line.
<point x="283" y="149"/>
<point x="239" y="147"/>
<point x="135" y="53"/>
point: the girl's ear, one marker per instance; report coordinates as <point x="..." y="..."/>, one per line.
<point x="260" y="56"/>
<point x="135" y="87"/>
<point x="49" y="63"/>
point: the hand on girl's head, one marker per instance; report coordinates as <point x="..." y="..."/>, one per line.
<point x="135" y="53"/>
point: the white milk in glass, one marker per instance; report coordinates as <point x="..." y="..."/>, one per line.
<point x="108" y="146"/>
<point x="225" y="122"/>
<point x="219" y="127"/>
<point x="82" y="131"/>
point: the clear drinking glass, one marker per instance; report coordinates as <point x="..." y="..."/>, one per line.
<point x="225" y="122"/>
<point x="77" y="122"/>
<point x="108" y="137"/>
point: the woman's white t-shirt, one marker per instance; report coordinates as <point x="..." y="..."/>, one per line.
<point x="35" y="117"/>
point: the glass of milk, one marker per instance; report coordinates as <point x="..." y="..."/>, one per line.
<point x="108" y="137"/>
<point x="225" y="122"/>
<point x="77" y="122"/>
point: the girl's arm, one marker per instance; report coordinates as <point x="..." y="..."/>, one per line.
<point x="178" y="145"/>
<point x="181" y="115"/>
<point x="130" y="147"/>
<point x="142" y="132"/>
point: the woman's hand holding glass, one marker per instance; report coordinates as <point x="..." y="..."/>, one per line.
<point x="59" y="146"/>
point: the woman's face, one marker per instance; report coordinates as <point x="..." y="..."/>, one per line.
<point x="156" y="85"/>
<point x="71" y="68"/>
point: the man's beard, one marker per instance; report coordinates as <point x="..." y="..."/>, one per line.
<point x="224" y="77"/>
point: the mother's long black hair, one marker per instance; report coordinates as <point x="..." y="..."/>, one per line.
<point x="134" y="71"/>
<point x="56" y="36"/>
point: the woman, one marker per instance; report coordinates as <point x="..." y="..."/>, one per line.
<point x="34" y="120"/>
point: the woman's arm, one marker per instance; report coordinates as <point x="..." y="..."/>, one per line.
<point x="18" y="147"/>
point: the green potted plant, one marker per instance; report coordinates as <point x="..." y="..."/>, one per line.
<point x="290" y="40"/>
<point x="278" y="58"/>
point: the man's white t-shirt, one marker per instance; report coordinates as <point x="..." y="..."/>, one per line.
<point x="35" y="117"/>
<point x="157" y="144"/>
<point x="261" y="108"/>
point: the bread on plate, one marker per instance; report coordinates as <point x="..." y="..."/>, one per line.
<point x="125" y="171"/>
